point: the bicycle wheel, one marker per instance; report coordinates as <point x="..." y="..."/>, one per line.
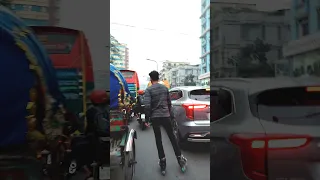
<point x="129" y="164"/>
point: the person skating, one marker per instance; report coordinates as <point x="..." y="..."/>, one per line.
<point x="158" y="106"/>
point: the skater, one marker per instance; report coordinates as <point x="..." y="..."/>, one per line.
<point x="158" y="106"/>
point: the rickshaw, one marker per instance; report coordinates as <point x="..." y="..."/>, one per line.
<point x="132" y="79"/>
<point x="31" y="103"/>
<point x="122" y="137"/>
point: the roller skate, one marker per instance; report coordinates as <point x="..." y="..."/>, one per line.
<point x="182" y="162"/>
<point x="163" y="164"/>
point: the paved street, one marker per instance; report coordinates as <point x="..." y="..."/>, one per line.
<point x="147" y="157"/>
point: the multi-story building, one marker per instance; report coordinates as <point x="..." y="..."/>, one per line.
<point x="37" y="12"/>
<point x="177" y="75"/>
<point x="167" y="66"/>
<point x="235" y="25"/>
<point x="302" y="52"/>
<point x="120" y="59"/>
<point x="204" y="76"/>
<point x="126" y="58"/>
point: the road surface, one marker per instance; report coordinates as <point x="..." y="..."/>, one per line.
<point x="147" y="159"/>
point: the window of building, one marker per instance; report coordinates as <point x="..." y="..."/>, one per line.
<point x="263" y="33"/>
<point x="280" y="54"/>
<point x="216" y="57"/>
<point x="304" y="26"/>
<point x="279" y="32"/>
<point x="246" y="31"/>
<point x="216" y="33"/>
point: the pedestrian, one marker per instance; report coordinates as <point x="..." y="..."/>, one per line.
<point x="98" y="125"/>
<point x="158" y="106"/>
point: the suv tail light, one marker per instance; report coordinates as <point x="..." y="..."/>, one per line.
<point x="190" y="108"/>
<point x="254" y="148"/>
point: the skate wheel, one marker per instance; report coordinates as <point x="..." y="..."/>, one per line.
<point x="183" y="169"/>
<point x="163" y="173"/>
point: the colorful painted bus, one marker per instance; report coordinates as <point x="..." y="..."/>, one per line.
<point x="70" y="54"/>
<point x="132" y="80"/>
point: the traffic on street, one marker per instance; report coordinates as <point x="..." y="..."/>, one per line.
<point x="197" y="154"/>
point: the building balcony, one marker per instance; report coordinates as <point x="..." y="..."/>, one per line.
<point x="302" y="45"/>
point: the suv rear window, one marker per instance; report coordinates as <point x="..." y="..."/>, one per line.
<point x="200" y="95"/>
<point x="294" y="106"/>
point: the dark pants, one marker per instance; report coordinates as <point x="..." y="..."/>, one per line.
<point x="166" y="123"/>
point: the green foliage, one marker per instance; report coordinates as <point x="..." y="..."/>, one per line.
<point x="251" y="61"/>
<point x="189" y="80"/>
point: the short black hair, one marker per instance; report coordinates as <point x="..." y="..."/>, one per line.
<point x="154" y="76"/>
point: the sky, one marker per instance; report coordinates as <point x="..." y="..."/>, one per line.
<point x="176" y="28"/>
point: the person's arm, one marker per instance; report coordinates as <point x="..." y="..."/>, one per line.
<point x="147" y="103"/>
<point x="169" y="101"/>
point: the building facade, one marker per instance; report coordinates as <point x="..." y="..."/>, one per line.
<point x="204" y="76"/>
<point x="37" y="12"/>
<point x="167" y="66"/>
<point x="303" y="51"/>
<point x="120" y="59"/>
<point x="126" y="58"/>
<point x="177" y="75"/>
<point x="236" y="25"/>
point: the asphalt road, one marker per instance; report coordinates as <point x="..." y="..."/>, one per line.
<point x="147" y="158"/>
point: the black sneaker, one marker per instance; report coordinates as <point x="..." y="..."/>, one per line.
<point x="163" y="164"/>
<point x="182" y="163"/>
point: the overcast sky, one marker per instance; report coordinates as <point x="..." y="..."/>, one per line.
<point x="175" y="35"/>
<point x="175" y="23"/>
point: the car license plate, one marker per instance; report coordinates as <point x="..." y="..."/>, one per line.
<point x="104" y="173"/>
<point x="143" y="116"/>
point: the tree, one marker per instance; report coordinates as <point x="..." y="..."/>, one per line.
<point x="251" y="61"/>
<point x="189" y="80"/>
<point x="5" y="3"/>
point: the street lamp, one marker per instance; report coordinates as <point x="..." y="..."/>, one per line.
<point x="154" y="61"/>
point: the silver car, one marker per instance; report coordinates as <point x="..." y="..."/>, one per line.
<point x="265" y="129"/>
<point x="191" y="108"/>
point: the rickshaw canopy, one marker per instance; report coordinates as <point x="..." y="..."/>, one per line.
<point x="23" y="61"/>
<point x="117" y="84"/>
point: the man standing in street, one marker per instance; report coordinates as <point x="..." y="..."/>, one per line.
<point x="157" y="107"/>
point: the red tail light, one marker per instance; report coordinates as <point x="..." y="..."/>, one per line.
<point x="254" y="148"/>
<point x="190" y="108"/>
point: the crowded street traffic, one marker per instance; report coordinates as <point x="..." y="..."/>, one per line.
<point x="197" y="154"/>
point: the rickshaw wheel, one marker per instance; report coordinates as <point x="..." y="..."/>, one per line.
<point x="129" y="164"/>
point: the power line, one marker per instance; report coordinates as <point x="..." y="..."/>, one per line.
<point x="152" y="29"/>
